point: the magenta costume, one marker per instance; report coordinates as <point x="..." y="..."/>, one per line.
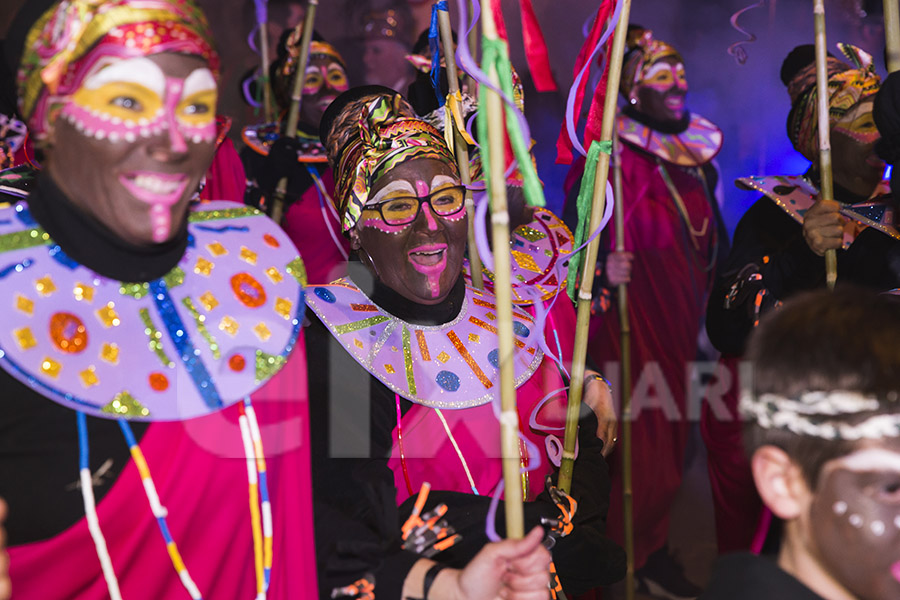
<point x="157" y="334"/>
<point x="114" y="351"/>
<point x="673" y="228"/>
<point x="402" y="391"/>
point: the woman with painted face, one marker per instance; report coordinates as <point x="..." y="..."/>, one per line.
<point x="780" y="241"/>
<point x="404" y="372"/>
<point x="309" y="219"/>
<point x="132" y="312"/>
<point x="673" y="236"/>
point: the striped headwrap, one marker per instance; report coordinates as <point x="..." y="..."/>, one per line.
<point x="370" y="137"/>
<point x="76" y="38"/>
<point x="847" y="87"/>
<point x="642" y="51"/>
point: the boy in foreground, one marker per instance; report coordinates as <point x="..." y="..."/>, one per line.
<point x="823" y="412"/>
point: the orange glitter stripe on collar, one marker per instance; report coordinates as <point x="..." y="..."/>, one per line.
<point x="519" y="343"/>
<point x="457" y="343"/>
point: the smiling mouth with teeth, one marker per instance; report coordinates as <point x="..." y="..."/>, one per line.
<point x="428" y="257"/>
<point x="155" y="188"/>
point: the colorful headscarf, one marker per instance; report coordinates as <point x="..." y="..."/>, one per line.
<point x="642" y="52"/>
<point x="370" y="137"/>
<point x="847" y="86"/>
<point x="75" y="38"/>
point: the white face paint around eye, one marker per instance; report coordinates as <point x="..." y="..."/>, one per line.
<point x="200" y="80"/>
<point x="399" y="185"/>
<point x="870" y="459"/>
<point x="141" y="71"/>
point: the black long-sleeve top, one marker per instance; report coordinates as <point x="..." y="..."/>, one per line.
<point x="770" y="242"/>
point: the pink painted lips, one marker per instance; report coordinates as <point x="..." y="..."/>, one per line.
<point x="429" y="258"/>
<point x="155" y="188"/>
<point x="674" y="102"/>
<point x="895" y="570"/>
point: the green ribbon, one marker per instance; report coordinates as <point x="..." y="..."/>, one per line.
<point x="583" y="203"/>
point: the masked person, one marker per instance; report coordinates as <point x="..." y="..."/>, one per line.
<point x="824" y="438"/>
<point x="780" y="241"/>
<point x="131" y="311"/>
<point x="269" y="156"/>
<point x="406" y="367"/>
<point x="673" y="235"/>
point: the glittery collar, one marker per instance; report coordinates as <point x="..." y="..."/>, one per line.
<point x="693" y="147"/>
<point x="796" y="194"/>
<point x="540" y="252"/>
<point x="453" y="365"/>
<point x="204" y="335"/>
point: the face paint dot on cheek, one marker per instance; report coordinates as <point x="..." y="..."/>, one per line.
<point x="856" y="521"/>
<point x="840" y="507"/>
<point x="897" y="521"/>
<point x="877" y="528"/>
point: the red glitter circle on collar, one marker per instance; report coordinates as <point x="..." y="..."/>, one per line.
<point x="68" y="333"/>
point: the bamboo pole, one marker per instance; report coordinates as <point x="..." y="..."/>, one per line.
<point x="826" y="191"/>
<point x="461" y="147"/>
<point x="892" y="34"/>
<point x="509" y="420"/>
<point x="264" y="58"/>
<point x="576" y="385"/>
<point x="473" y="49"/>
<point x="296" y="98"/>
<point x="625" y="376"/>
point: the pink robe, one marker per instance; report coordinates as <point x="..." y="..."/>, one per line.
<point x="307" y="223"/>
<point x="666" y="302"/>
<point x="430" y="454"/>
<point x="200" y="473"/>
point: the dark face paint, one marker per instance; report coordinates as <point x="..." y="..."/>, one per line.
<point x="855" y="521"/>
<point x="325" y="80"/>
<point x="661" y="93"/>
<point x="138" y="181"/>
<point x="420" y="261"/>
<point x="856" y="166"/>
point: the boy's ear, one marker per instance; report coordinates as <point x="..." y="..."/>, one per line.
<point x="780" y="482"/>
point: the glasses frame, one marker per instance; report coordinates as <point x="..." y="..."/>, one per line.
<point x="421" y="200"/>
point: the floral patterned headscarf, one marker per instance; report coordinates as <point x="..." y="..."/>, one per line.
<point x="76" y="38"/>
<point x="369" y="138"/>
<point x="847" y="87"/>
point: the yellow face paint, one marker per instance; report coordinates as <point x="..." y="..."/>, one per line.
<point x="124" y="100"/>
<point x="134" y="97"/>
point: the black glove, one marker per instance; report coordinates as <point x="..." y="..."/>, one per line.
<point x="585" y="558"/>
<point x="279" y="163"/>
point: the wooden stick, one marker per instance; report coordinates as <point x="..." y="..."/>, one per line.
<point x="892" y="34"/>
<point x="473" y="49"/>
<point x="296" y="99"/>
<point x="826" y="191"/>
<point x="625" y="376"/>
<point x="461" y="147"/>
<point x="576" y="385"/>
<point x="509" y="419"/>
<point x="266" y="84"/>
